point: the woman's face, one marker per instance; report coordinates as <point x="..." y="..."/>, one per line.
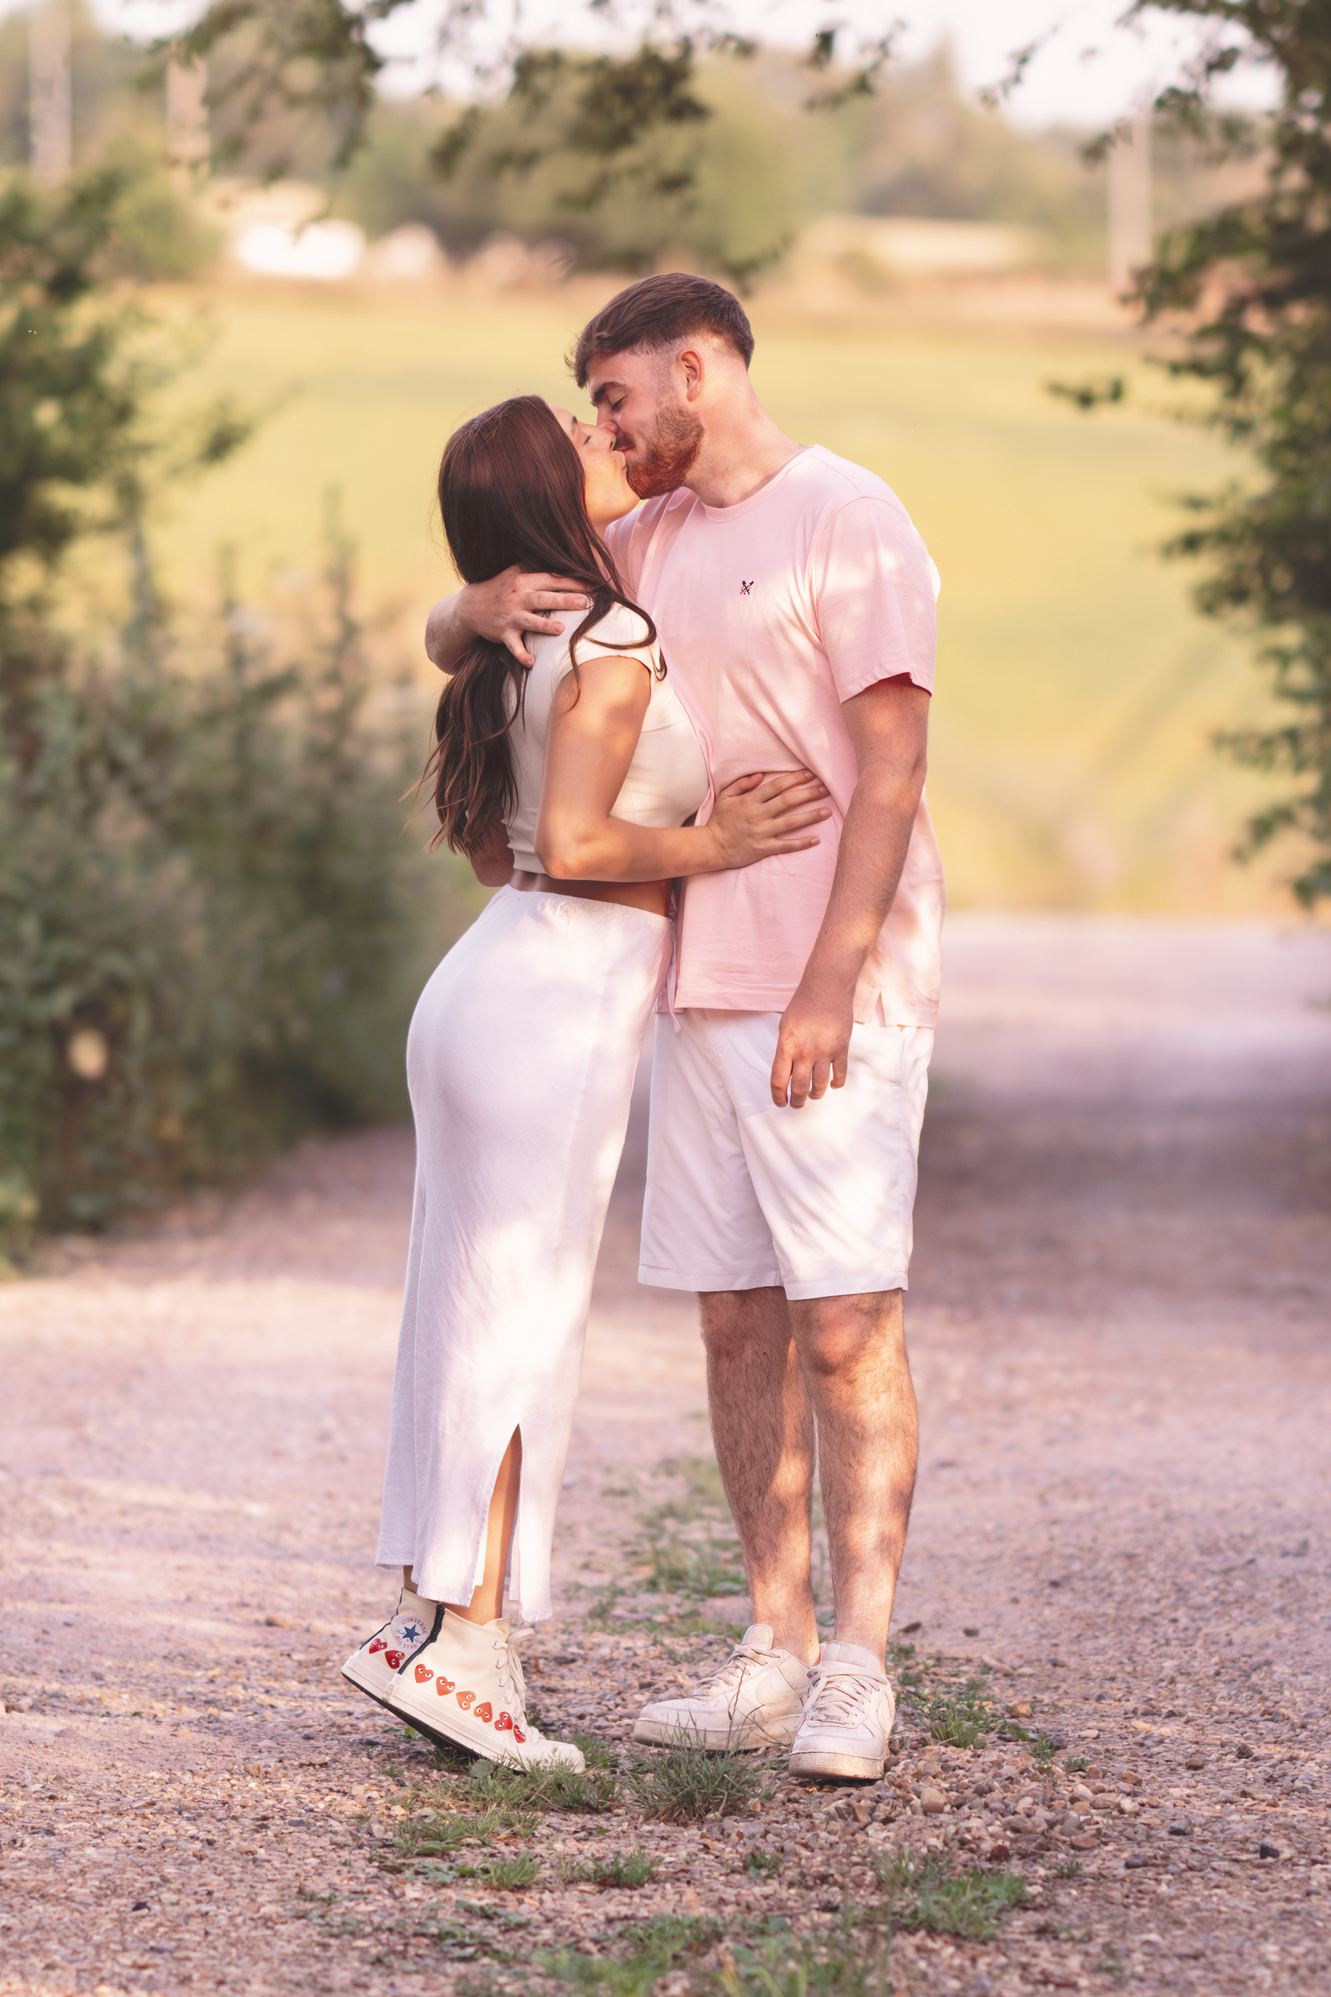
<point x="609" y="494"/>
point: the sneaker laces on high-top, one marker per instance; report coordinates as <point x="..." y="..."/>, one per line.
<point x="508" y="1670"/>
<point x="515" y="1637"/>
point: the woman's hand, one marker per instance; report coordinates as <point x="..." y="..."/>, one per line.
<point x="757" y="816"/>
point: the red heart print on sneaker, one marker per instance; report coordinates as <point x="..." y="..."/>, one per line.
<point x="465" y="1699"/>
<point x="378" y="1644"/>
<point x="503" y="1723"/>
<point x="423" y="1672"/>
<point x="519" y="1735"/>
<point x="392" y="1658"/>
<point x="443" y="1685"/>
<point x="485" y="1712"/>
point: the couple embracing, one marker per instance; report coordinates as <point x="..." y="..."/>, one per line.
<point x="686" y="741"/>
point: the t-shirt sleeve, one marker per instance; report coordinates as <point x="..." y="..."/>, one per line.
<point x="875" y="592"/>
<point x="621" y="634"/>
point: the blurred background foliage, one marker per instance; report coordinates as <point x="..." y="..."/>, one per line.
<point x="758" y="166"/>
<point x="212" y="926"/>
<point x="214" y="912"/>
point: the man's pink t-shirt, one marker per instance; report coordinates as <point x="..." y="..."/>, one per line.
<point x="771" y="613"/>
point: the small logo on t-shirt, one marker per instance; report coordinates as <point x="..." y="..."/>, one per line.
<point x="745" y="588"/>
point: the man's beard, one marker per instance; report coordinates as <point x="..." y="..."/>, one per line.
<point x="667" y="457"/>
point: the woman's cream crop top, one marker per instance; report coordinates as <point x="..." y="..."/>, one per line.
<point x="667" y="779"/>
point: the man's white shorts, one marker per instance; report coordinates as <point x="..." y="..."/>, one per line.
<point x="741" y="1194"/>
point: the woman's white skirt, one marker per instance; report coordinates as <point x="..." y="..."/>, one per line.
<point x="520" y="1061"/>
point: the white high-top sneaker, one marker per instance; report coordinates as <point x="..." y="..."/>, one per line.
<point x="465" y="1686"/>
<point x="373" y="1667"/>
<point x="848" y="1716"/>
<point x="754" y="1699"/>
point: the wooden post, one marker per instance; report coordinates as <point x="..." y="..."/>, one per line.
<point x="50" y="123"/>
<point x="1130" y="231"/>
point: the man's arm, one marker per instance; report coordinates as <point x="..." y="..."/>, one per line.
<point x="501" y="610"/>
<point x="889" y="726"/>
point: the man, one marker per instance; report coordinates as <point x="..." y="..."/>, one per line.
<point x="795" y="603"/>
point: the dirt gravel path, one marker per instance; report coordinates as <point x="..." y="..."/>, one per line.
<point x="1116" y="1577"/>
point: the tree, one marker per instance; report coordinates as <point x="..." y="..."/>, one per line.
<point x="1247" y="290"/>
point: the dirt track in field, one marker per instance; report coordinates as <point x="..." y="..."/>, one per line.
<point x="1119" y="1320"/>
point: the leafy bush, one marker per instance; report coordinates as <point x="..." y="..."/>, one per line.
<point x="209" y="920"/>
<point x="211" y="926"/>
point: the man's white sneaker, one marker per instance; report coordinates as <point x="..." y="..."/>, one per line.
<point x="754" y="1699"/>
<point x="848" y="1716"/>
<point x="375" y="1665"/>
<point x="465" y="1686"/>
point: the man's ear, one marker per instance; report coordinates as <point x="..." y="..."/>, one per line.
<point x="693" y="369"/>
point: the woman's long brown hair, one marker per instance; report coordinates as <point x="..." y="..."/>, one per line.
<point x="511" y="492"/>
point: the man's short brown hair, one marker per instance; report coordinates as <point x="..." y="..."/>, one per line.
<point x="659" y="311"/>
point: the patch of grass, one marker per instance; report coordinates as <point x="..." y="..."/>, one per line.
<point x="456" y="1941"/>
<point x="500" y="1915"/>
<point x="682" y="1783"/>
<point x="962" y="1718"/>
<point x="844" y="1963"/>
<point x="603" y="1614"/>
<point x="505" y="1875"/>
<point x="709" y="1567"/>
<point x="441" y="1820"/>
<point x="763" y="1864"/>
<point x="922" y="1893"/>
<point x="595" y="1752"/>
<point x="427" y="1834"/>
<point x="650" y="1950"/>
<point x="450" y="1759"/>
<point x="704" y="1492"/>
<point x="628" y="1868"/>
<point x="697" y="1565"/>
<point x="1069" y="1869"/>
<point x="525" y="1790"/>
<point x="906" y="1671"/>
<point x="1042" y="1749"/>
<point x="1075" y="1763"/>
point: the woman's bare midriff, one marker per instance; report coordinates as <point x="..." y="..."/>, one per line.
<point x="653" y="896"/>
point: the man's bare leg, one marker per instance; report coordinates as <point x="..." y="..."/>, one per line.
<point x="853" y="1355"/>
<point x="762" y="1428"/>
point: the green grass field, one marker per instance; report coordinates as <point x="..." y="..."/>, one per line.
<point x="1077" y="691"/>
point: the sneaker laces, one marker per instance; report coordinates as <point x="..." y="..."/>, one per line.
<point x="729" y="1675"/>
<point x="508" y="1670"/>
<point x="515" y="1637"/>
<point x="838" y="1693"/>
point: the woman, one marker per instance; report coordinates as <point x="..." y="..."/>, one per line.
<point x="573" y="785"/>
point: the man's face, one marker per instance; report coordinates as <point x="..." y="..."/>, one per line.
<point x="640" y="397"/>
